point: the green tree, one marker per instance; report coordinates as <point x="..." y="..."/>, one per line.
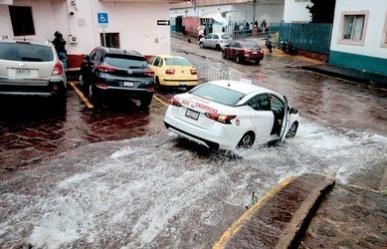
<point x="322" y="11"/>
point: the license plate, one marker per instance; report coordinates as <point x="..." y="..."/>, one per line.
<point x="192" y="114"/>
<point x="22" y="73"/>
<point x="126" y="83"/>
<point x="255" y="52"/>
<point x="183" y="83"/>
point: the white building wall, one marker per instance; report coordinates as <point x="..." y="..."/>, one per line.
<point x="296" y="11"/>
<point x="374" y="29"/>
<point x="136" y="22"/>
<point x="236" y="12"/>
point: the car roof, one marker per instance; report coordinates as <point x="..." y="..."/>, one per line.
<point x="27" y="41"/>
<point x="242" y="87"/>
<point x="171" y="56"/>
<point x="118" y="51"/>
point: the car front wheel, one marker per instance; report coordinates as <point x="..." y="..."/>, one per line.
<point x="292" y="130"/>
<point x="238" y="59"/>
<point x="201" y="45"/>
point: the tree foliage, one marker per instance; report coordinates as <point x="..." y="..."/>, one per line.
<point x="322" y="11"/>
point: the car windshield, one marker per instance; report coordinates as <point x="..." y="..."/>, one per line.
<point x="226" y="37"/>
<point x="175" y="61"/>
<point x="23" y="51"/>
<point x="125" y="61"/>
<point x="218" y="94"/>
<point x="249" y="45"/>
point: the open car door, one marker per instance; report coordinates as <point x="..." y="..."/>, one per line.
<point x="285" y="122"/>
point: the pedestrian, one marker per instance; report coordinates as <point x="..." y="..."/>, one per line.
<point x="263" y="25"/>
<point x="200" y="32"/>
<point x="60" y="44"/>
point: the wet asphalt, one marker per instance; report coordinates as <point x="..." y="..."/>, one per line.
<point x="114" y="177"/>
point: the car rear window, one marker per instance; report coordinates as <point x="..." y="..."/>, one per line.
<point x="25" y="52"/>
<point x="177" y="62"/>
<point x="249" y="45"/>
<point x="218" y="94"/>
<point x="226" y="36"/>
<point x="125" y="61"/>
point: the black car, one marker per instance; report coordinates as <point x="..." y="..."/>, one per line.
<point x="110" y="72"/>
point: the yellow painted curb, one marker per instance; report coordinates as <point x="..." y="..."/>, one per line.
<point x="81" y="95"/>
<point x="160" y="100"/>
<point x="234" y="228"/>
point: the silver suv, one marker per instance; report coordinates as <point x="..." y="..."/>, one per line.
<point x="215" y="40"/>
<point x="31" y="68"/>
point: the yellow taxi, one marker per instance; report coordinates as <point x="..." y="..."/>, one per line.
<point x="173" y="71"/>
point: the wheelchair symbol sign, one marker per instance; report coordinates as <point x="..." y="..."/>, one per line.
<point x="103" y="18"/>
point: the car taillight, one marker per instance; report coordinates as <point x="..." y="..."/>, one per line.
<point x="175" y="102"/>
<point x="58" y="69"/>
<point x="149" y="73"/>
<point x="225" y="119"/>
<point x="105" y="69"/>
<point x="194" y="71"/>
<point x="170" y="71"/>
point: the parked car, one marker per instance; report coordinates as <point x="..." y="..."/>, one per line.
<point x="231" y="114"/>
<point x="31" y="68"/>
<point x="173" y="71"/>
<point x="243" y="51"/>
<point x="107" y="72"/>
<point x="215" y="40"/>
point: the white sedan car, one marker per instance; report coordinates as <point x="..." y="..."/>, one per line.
<point x="231" y="114"/>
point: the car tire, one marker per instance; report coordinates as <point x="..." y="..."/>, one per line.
<point x="224" y="55"/>
<point x="218" y="47"/>
<point x="258" y="61"/>
<point x="157" y="84"/>
<point x="146" y="101"/>
<point x="246" y="141"/>
<point x="238" y="59"/>
<point x="201" y="45"/>
<point x="292" y="130"/>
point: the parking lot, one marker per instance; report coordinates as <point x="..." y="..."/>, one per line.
<point x="115" y="177"/>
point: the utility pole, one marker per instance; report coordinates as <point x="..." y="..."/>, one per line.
<point x="254" y="10"/>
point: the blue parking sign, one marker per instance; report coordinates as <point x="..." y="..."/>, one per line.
<point x="103" y="18"/>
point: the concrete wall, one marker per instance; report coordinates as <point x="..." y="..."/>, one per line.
<point x="135" y="21"/>
<point x="296" y="11"/>
<point x="369" y="55"/>
<point x="374" y="28"/>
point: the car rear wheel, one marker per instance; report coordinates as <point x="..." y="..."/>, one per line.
<point x="218" y="47"/>
<point x="201" y="45"/>
<point x="238" y="59"/>
<point x="224" y="55"/>
<point x="292" y="130"/>
<point x="247" y="141"/>
<point x="158" y="86"/>
<point x="146" y="101"/>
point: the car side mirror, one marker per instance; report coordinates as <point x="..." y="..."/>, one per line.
<point x="293" y="110"/>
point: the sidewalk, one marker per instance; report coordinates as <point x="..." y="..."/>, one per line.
<point x="311" y="211"/>
<point x="350" y="74"/>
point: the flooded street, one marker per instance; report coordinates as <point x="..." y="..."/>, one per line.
<point x="116" y="178"/>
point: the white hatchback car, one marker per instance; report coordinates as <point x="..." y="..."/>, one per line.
<point x="231" y="114"/>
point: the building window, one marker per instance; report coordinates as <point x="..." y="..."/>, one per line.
<point x="112" y="40"/>
<point x="384" y="35"/>
<point x="22" y="22"/>
<point x="353" y="28"/>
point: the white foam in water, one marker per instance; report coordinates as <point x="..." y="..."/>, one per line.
<point x="139" y="193"/>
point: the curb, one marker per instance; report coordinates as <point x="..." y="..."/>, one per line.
<point x="280" y="218"/>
